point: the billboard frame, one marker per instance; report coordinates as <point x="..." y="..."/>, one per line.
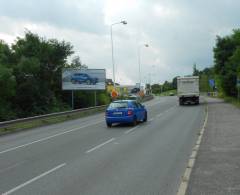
<point x="82" y="71"/>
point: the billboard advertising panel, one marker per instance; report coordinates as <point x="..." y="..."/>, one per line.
<point x="83" y="79"/>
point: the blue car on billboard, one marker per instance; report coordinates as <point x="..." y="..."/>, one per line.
<point x="125" y="111"/>
<point x="83" y="78"/>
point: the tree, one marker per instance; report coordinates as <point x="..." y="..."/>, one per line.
<point x="7" y="83"/>
<point x="195" y="70"/>
<point x="226" y="62"/>
<point x="174" y="82"/>
<point x="76" y="63"/>
<point x="38" y="67"/>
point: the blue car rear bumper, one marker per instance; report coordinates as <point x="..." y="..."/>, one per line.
<point x="125" y="119"/>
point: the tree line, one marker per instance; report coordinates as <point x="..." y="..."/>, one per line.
<point x="226" y="68"/>
<point x="30" y="78"/>
<point x="166" y="86"/>
<point x="225" y="71"/>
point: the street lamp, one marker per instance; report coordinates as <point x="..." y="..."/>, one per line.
<point x="122" y="22"/>
<point x="139" y="61"/>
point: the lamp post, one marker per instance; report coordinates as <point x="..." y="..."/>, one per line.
<point x="139" y="62"/>
<point x="122" y="22"/>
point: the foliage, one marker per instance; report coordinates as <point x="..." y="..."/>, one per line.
<point x="77" y="63"/>
<point x="30" y="78"/>
<point x="227" y="62"/>
<point x="166" y="86"/>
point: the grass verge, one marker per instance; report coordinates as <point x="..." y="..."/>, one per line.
<point x="167" y="93"/>
<point x="47" y="121"/>
<point x="232" y="100"/>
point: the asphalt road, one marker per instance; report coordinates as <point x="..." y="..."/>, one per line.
<point x="85" y="157"/>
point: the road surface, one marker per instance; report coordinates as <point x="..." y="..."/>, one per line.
<point x="85" y="157"/>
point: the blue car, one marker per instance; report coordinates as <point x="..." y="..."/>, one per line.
<point x="83" y="78"/>
<point x="125" y="111"/>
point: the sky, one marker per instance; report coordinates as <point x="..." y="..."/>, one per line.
<point x="179" y="33"/>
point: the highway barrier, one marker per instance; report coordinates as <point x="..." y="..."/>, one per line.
<point x="41" y="120"/>
<point x="47" y="119"/>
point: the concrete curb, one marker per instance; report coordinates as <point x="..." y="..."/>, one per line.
<point x="186" y="177"/>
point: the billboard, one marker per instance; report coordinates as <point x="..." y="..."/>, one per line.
<point x="83" y="79"/>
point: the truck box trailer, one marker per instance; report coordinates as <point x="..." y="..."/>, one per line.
<point x="188" y="90"/>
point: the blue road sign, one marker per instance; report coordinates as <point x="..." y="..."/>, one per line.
<point x="211" y="82"/>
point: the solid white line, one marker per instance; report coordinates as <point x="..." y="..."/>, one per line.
<point x="100" y="145"/>
<point x="130" y="130"/>
<point x="34" y="179"/>
<point x="47" y="138"/>
<point x="185" y="181"/>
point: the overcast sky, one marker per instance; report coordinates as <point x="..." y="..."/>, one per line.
<point x="179" y="32"/>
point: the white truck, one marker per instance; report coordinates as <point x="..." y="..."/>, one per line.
<point x="188" y="89"/>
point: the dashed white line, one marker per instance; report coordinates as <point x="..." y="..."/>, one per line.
<point x="34" y="179"/>
<point x="47" y="138"/>
<point x="159" y="114"/>
<point x="11" y="167"/>
<point x="151" y="119"/>
<point x="130" y="130"/>
<point x="100" y="145"/>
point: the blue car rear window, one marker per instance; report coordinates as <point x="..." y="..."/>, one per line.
<point x="118" y="105"/>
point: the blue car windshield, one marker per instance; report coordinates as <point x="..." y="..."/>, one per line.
<point x="118" y="105"/>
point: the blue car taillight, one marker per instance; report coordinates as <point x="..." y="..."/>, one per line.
<point x="130" y="112"/>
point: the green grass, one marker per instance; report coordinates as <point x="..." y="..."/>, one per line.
<point x="47" y="121"/>
<point x="232" y="100"/>
<point x="166" y="93"/>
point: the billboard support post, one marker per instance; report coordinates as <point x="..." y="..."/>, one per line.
<point x="72" y="100"/>
<point x="238" y="93"/>
<point x="95" y="98"/>
<point x="238" y="88"/>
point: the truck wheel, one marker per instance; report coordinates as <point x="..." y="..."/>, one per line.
<point x="180" y="102"/>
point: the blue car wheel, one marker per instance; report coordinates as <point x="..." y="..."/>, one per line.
<point x="134" y="123"/>
<point x="109" y="124"/>
<point x="145" y="117"/>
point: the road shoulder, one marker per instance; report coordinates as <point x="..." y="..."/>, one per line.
<point x="217" y="165"/>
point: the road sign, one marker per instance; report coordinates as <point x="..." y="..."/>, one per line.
<point x="114" y="94"/>
<point x="211" y="83"/>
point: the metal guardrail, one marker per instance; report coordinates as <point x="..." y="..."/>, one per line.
<point x="66" y="113"/>
<point x="147" y="98"/>
<point x="5" y="123"/>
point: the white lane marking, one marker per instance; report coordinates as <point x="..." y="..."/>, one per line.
<point x="34" y="179"/>
<point x="185" y="179"/>
<point x="130" y="130"/>
<point x="159" y="115"/>
<point x="12" y="167"/>
<point x="49" y="137"/>
<point x="151" y="119"/>
<point x="166" y="111"/>
<point x="100" y="145"/>
<point x="153" y="104"/>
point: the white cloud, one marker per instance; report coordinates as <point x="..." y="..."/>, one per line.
<point x="179" y="33"/>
